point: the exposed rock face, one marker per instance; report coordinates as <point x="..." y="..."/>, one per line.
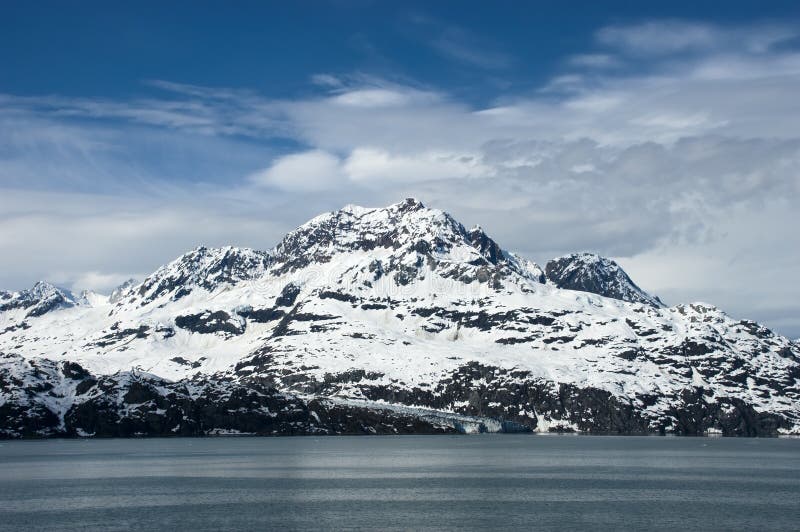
<point x="288" y="295"/>
<point x="588" y="272"/>
<point x="217" y="322"/>
<point x="394" y="320"/>
<point x="138" y="404"/>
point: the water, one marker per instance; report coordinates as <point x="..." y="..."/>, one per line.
<point x="407" y="482"/>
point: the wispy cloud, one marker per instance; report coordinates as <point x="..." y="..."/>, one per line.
<point x="460" y="45"/>
<point x="200" y="110"/>
<point x="665" y="37"/>
<point x="594" y="61"/>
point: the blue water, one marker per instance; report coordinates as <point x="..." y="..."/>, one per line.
<point x="407" y="482"/>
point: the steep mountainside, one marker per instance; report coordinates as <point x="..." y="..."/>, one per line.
<point x="392" y="320"/>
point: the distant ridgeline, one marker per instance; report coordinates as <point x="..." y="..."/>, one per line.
<point x="385" y="321"/>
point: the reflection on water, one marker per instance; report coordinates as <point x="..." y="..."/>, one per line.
<point x="409" y="482"/>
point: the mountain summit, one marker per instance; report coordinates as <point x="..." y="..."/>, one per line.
<point x="385" y="320"/>
<point x="592" y="273"/>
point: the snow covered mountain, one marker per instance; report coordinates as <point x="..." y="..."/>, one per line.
<point x="390" y="320"/>
<point x="37" y="301"/>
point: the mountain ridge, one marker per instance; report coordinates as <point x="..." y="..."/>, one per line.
<point x="376" y="320"/>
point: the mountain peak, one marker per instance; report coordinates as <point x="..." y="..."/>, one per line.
<point x="120" y="291"/>
<point x="206" y="268"/>
<point x="487" y="247"/>
<point x="405" y="238"/>
<point x="410" y="204"/>
<point x="407" y="205"/>
<point x="44" y="288"/>
<point x="355" y="228"/>
<point x="40" y="299"/>
<point x="589" y="272"/>
<point x="91" y="298"/>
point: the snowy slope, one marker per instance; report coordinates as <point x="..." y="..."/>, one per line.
<point x="391" y="320"/>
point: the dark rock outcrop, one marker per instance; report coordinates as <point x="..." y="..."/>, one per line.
<point x="135" y="404"/>
<point x="588" y="272"/>
<point x="217" y="322"/>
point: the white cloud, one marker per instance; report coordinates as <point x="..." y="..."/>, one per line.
<point x="369" y="165"/>
<point x="90" y="240"/>
<point x="660" y="37"/>
<point x="305" y="171"/>
<point x="318" y="170"/>
<point x="372" y="98"/>
<point x="595" y="103"/>
<point x="326" y="80"/>
<point x="100" y="282"/>
<point x="663" y="37"/>
<point x="743" y="269"/>
<point x="594" y="61"/>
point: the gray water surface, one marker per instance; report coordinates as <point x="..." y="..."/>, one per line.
<point x="406" y="482"/>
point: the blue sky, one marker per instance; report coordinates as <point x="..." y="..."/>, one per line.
<point x="475" y="49"/>
<point x="663" y="135"/>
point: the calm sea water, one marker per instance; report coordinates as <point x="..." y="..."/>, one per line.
<point x="407" y="482"/>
